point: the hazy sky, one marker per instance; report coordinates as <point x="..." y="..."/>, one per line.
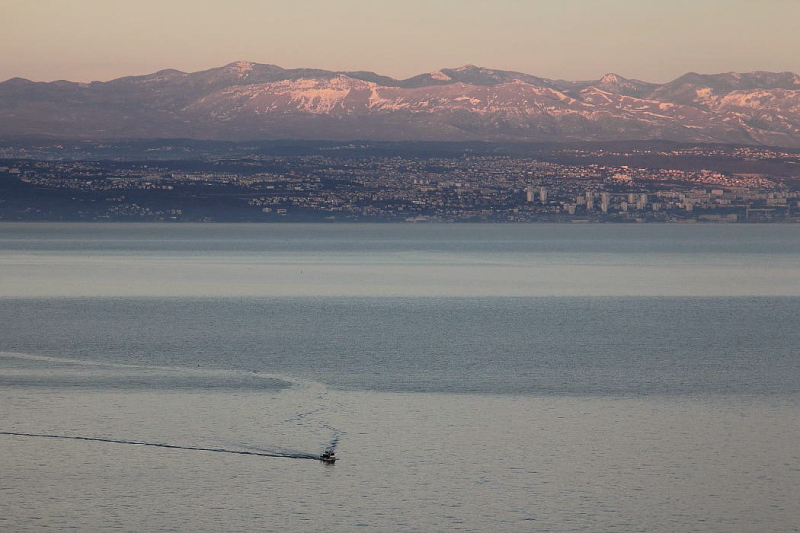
<point x="652" y="40"/>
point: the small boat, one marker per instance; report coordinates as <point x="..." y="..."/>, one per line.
<point x="328" y="457"/>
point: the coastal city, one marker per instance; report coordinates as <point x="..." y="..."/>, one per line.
<point x="380" y="188"/>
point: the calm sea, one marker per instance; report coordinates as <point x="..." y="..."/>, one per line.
<point x="470" y="377"/>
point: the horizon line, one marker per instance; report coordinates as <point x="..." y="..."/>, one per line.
<point x="399" y="79"/>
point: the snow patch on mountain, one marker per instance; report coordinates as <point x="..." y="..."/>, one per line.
<point x="612" y="79"/>
<point x="467" y="99"/>
<point x="241" y="68"/>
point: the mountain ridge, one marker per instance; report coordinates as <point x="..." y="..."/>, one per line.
<point x="251" y="101"/>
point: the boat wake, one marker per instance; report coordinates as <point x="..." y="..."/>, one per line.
<point x="334" y="442"/>
<point x="28" y="370"/>
<point x="293" y="413"/>
<point x="314" y="419"/>
<point x="256" y="452"/>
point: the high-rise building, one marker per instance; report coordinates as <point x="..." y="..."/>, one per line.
<point x="605" y="201"/>
<point x="529" y="194"/>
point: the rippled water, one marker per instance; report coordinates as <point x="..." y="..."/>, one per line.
<point x="513" y="378"/>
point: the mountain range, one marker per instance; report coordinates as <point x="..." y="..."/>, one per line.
<point x="248" y="101"/>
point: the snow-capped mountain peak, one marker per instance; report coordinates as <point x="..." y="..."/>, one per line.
<point x="241" y="67"/>
<point x="439" y="75"/>
<point x="612" y="79"/>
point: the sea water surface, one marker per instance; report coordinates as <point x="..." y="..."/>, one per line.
<point x="470" y="377"/>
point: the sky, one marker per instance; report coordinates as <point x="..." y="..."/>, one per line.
<point x="650" y="40"/>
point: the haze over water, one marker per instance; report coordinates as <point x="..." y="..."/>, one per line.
<point x="45" y="260"/>
<point x="471" y="377"/>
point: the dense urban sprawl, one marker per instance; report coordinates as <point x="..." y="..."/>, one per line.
<point x="480" y="188"/>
